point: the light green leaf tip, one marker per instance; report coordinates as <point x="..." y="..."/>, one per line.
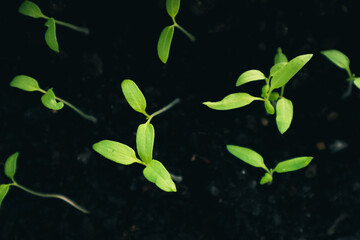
<point x="49" y="100"/>
<point x="292" y="164"/>
<point x="250" y="76"/>
<point x="172" y="7"/>
<point x="50" y="35"/>
<point x="4" y="188"/>
<point x="30" y="9"/>
<point x="280" y="57"/>
<point x="338" y="58"/>
<point x="156" y="173"/>
<point x="357" y="82"/>
<point x="10" y="165"/>
<point x="134" y="96"/>
<point x="247" y="155"/>
<point x="284" y="114"/>
<point x="145" y="141"/>
<point x="25" y="83"/>
<point x="164" y="43"/>
<point x="232" y="101"/>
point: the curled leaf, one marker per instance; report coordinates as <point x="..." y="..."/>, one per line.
<point x="25" y="83"/>
<point x="250" y="76"/>
<point x="30" y="9"/>
<point x="292" y="164"/>
<point x="156" y="173"/>
<point x="280" y="57"/>
<point x="232" y="101"/>
<point x="247" y="155"/>
<point x="172" y="7"/>
<point x="164" y="43"/>
<point x="269" y="107"/>
<point x="266" y="179"/>
<point x="50" y="35"/>
<point x="145" y="141"/>
<point x="284" y="114"/>
<point x="10" y="165"/>
<point x="4" y="188"/>
<point x="49" y="100"/>
<point x="134" y="96"/>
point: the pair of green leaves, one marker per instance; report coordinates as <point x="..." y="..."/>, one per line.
<point x="256" y="160"/>
<point x="280" y="75"/>
<point x="10" y="170"/>
<point x="154" y="170"/>
<point x="166" y="35"/>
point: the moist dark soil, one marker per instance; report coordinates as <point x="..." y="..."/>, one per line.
<point x="219" y="196"/>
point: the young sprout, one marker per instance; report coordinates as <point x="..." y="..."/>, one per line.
<point x="49" y="99"/>
<point x="10" y="169"/>
<point x="342" y="61"/>
<point x="165" y="39"/>
<point x="30" y="9"/>
<point x="279" y="76"/>
<point x="154" y="170"/>
<point x="256" y="160"/>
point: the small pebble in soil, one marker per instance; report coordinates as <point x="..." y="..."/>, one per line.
<point x="337" y="146"/>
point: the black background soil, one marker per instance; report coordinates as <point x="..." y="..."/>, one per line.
<point x="219" y="196"/>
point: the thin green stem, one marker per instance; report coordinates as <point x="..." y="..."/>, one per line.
<point x="47" y="195"/>
<point x="189" y="35"/>
<point x="81" y="113"/>
<point x="282" y="91"/>
<point x="76" y="28"/>
<point x="167" y="107"/>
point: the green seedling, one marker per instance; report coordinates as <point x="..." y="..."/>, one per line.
<point x="154" y="170"/>
<point x="30" y="9"/>
<point x="10" y="170"/>
<point x="256" y="160"/>
<point x="280" y="74"/>
<point x="166" y="36"/>
<point x="342" y="61"/>
<point x="49" y="99"/>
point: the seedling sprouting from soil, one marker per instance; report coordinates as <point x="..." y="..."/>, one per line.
<point x="165" y="39"/>
<point x="342" y="61"/>
<point x="279" y="76"/>
<point x="30" y="9"/>
<point x="256" y="160"/>
<point x="154" y="170"/>
<point x="10" y="170"/>
<point x="49" y="99"/>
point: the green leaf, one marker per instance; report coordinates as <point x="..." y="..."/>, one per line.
<point x="284" y="114"/>
<point x="276" y="68"/>
<point x="338" y="58"/>
<point x="266" y="179"/>
<point x="250" y="76"/>
<point x="50" y="35"/>
<point x="172" y="7"/>
<point x="247" y="155"/>
<point x="145" y="141"/>
<point x="25" y="83"/>
<point x="284" y="74"/>
<point x="292" y="164"/>
<point x="280" y="57"/>
<point x="269" y="107"/>
<point x="49" y="100"/>
<point x="357" y="82"/>
<point x="274" y="96"/>
<point x="4" y="188"/>
<point x="164" y="43"/>
<point x="116" y="152"/>
<point x="264" y="90"/>
<point x="134" y="96"/>
<point x="156" y="173"/>
<point x="232" y="101"/>
<point x="30" y="9"/>
<point x="10" y="165"/>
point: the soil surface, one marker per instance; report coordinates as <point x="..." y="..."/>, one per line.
<point x="219" y="196"/>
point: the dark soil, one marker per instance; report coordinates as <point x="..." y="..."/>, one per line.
<point x="219" y="196"/>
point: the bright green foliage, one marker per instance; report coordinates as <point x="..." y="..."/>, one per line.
<point x="166" y="35"/>
<point x="50" y="35"/>
<point x="25" y="83"/>
<point x="145" y="137"/>
<point x="134" y="96"/>
<point x="10" y="165"/>
<point x="156" y="173"/>
<point x="256" y="160"/>
<point x="49" y="100"/>
<point x="30" y="9"/>
<point x="4" y="188"/>
<point x="280" y="74"/>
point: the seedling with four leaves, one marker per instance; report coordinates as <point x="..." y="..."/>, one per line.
<point x="10" y="170"/>
<point x="256" y="160"/>
<point x="30" y="9"/>
<point x="279" y="76"/>
<point x="342" y="61"/>
<point x="154" y="170"/>
<point x="49" y="99"/>
<point x="166" y="36"/>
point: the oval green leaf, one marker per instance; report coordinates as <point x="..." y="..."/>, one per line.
<point x="357" y="82"/>
<point x="280" y="57"/>
<point x="266" y="179"/>
<point x="116" y="152"/>
<point x="284" y="74"/>
<point x="232" y="101"/>
<point x="10" y="165"/>
<point x="134" y="96"/>
<point x="338" y="58"/>
<point x="247" y="155"/>
<point x="156" y="173"/>
<point x="25" y="83"/>
<point x="30" y="9"/>
<point x="50" y="35"/>
<point x="250" y="76"/>
<point x="49" y="100"/>
<point x="4" y="188"/>
<point x="269" y="107"/>
<point x="276" y="67"/>
<point x="145" y="141"/>
<point x="274" y="96"/>
<point x="164" y="43"/>
<point x="284" y="114"/>
<point x="172" y="7"/>
<point x="292" y="164"/>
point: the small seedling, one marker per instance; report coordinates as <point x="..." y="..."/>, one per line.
<point x="256" y="160"/>
<point x="342" y="61"/>
<point x="49" y="99"/>
<point x="165" y="39"/>
<point x="30" y="9"/>
<point x="154" y="170"/>
<point x="279" y="76"/>
<point x="10" y="169"/>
